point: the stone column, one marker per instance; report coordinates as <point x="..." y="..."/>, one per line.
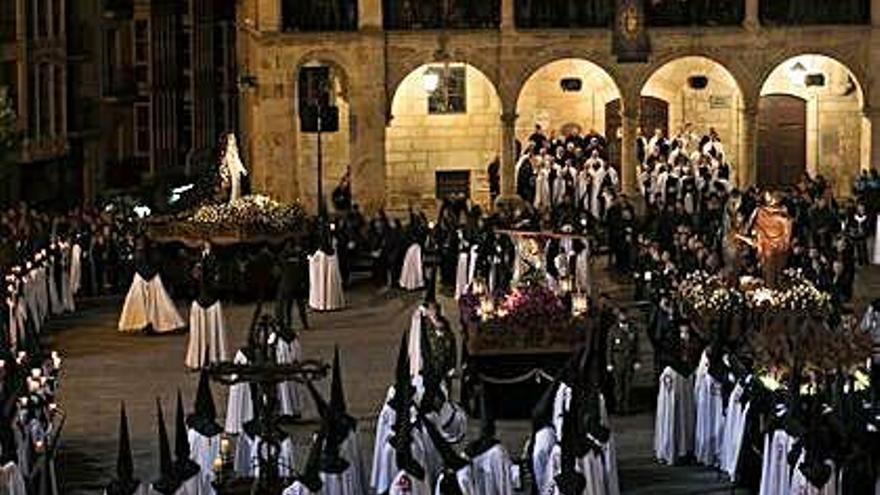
<point x="628" y="165"/>
<point x="508" y="154"/>
<point x="269" y="15"/>
<point x="747" y="168"/>
<point x="751" y="19"/>
<point x="875" y="13"/>
<point x="370" y="14"/>
<point x="508" y="17"/>
<point x="872" y="113"/>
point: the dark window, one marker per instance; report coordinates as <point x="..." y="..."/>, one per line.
<point x="7" y="20"/>
<point x="563" y="14"/>
<point x="793" y="12"/>
<point x="319" y="15"/>
<point x="695" y="12"/>
<point x="44" y="19"/>
<point x="441" y="14"/>
<point x="142" y="129"/>
<point x="59" y="87"/>
<point x="450" y="96"/>
<point x="453" y="183"/>
<point x="45" y="84"/>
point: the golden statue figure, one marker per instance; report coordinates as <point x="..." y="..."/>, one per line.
<point x="771" y="227"/>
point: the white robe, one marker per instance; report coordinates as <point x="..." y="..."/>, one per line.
<point x="582" y="276"/>
<point x="298" y="488"/>
<point x="239" y="407"/>
<point x="464" y="272"/>
<point x="290" y="394"/>
<point x="542" y="189"/>
<point x="674" y="424"/>
<point x="207" y="336"/>
<point x="597" y="176"/>
<point x="411" y="276"/>
<point x="11" y="480"/>
<point x="325" y="283"/>
<point x="384" y="464"/>
<point x="203" y="450"/>
<point x="710" y="416"/>
<point x="801" y="486"/>
<point x="775" y="478"/>
<point x="589" y="465"/>
<point x="544" y="441"/>
<point x="734" y="427"/>
<point x="75" y="269"/>
<point x="147" y="303"/>
<point x="414" y="341"/>
<point x="465" y="482"/>
<point x="67" y="301"/>
<point x="491" y="472"/>
<point x="875" y="257"/>
<point x="54" y="298"/>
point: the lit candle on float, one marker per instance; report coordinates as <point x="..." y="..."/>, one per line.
<point x="565" y="285"/>
<point x="487" y="307"/>
<point x="579" y="304"/>
<point x="225" y="446"/>
<point x="478" y="288"/>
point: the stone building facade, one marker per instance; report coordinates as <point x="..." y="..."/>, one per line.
<point x="386" y="139"/>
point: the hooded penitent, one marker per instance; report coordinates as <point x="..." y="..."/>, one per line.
<point x="167" y="483"/>
<point x="184" y="467"/>
<point x="204" y="418"/>
<point x="402" y="402"/>
<point x="311" y="474"/>
<point x="125" y="483"/>
<point x="487" y="438"/>
<point x="453" y="462"/>
<point x="569" y="481"/>
<point x="337" y="423"/>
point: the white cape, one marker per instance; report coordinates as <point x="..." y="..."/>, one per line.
<point x="147" y="303"/>
<point x="207" y="335"/>
<point x="674" y="424"/>
<point x="325" y="283"/>
<point x="710" y="416"/>
<point x="775" y="478"/>
<point x="411" y="276"/>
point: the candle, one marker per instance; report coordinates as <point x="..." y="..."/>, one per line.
<point x="36" y="372"/>
<point x="218" y="465"/>
<point x="38" y="445"/>
<point x="225" y="446"/>
<point x="565" y="285"/>
<point x="578" y="304"/>
<point x="479" y="288"/>
<point x="487" y="307"/>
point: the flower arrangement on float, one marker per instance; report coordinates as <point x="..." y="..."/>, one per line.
<point x="702" y="293"/>
<point x="529" y="315"/>
<point x="793" y="293"/>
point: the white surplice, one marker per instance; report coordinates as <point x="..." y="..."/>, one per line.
<point x="710" y="415"/>
<point x="207" y="335"/>
<point x="674" y="424"/>
<point x="491" y="472"/>
<point x="325" y="282"/>
<point x="147" y="303"/>
<point x="734" y="427"/>
<point x="203" y="450"/>
<point x="411" y="276"/>
<point x="775" y="473"/>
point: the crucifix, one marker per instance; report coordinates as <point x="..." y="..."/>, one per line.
<point x="265" y="374"/>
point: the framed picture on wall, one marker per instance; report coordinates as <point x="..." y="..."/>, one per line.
<point x="449" y="183"/>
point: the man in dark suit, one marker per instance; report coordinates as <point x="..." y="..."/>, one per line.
<point x="293" y="285"/>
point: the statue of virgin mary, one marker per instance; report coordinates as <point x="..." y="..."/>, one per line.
<point x="771" y="227"/>
<point x="231" y="168"/>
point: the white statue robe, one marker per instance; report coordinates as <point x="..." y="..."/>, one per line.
<point x="491" y="472"/>
<point x="674" y="424"/>
<point x="203" y="450"/>
<point x="775" y="477"/>
<point x="207" y="335"/>
<point x="710" y="415"/>
<point x="325" y="282"/>
<point x="411" y="275"/>
<point x="147" y="303"/>
<point x="734" y="427"/>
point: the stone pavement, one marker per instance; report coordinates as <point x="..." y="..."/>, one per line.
<point x="103" y="367"/>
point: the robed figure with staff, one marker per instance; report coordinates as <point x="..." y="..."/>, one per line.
<point x="771" y="227"/>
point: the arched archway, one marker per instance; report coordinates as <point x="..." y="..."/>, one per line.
<point x="326" y="80"/>
<point x="700" y="94"/>
<point x="444" y="131"/>
<point x="830" y="125"/>
<point x="569" y="94"/>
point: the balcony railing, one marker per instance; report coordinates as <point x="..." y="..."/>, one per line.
<point x="319" y="15"/>
<point x="801" y="12"/>
<point x="565" y="14"/>
<point x="118" y="9"/>
<point x="441" y="14"/>
<point x="665" y="13"/>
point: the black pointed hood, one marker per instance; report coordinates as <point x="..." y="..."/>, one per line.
<point x="185" y="467"/>
<point x="402" y="380"/>
<point x="311" y="473"/>
<point x="167" y="483"/>
<point x="125" y="483"/>
<point x="487" y="438"/>
<point x="204" y="418"/>
<point x="433" y="397"/>
<point x="338" y="407"/>
<point x="452" y="460"/>
<point x="542" y="414"/>
<point x="402" y="403"/>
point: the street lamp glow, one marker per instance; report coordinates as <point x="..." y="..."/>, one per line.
<point x="430" y="81"/>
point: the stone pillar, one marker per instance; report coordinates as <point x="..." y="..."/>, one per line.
<point x="747" y="168"/>
<point x="508" y="154"/>
<point x="751" y="19"/>
<point x="872" y="113"/>
<point x="508" y="17"/>
<point x="269" y="15"/>
<point x="370" y="14"/>
<point x="875" y="13"/>
<point x="628" y="165"/>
